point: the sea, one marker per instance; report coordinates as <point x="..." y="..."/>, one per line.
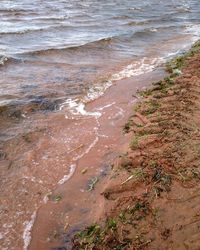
<point x="57" y="58"/>
<point x="61" y="52"/>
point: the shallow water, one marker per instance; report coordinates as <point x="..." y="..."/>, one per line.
<point x="55" y="58"/>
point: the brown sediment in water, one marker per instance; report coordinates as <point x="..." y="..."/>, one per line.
<point x="152" y="195"/>
<point x="38" y="151"/>
<point x="80" y="203"/>
<point x="44" y="147"/>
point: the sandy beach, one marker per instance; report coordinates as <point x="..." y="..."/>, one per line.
<point x="83" y="136"/>
<point x="80" y="171"/>
<point x="62" y="194"/>
<point x="152" y="197"/>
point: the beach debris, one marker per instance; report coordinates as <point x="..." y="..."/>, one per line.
<point x="89" y="231"/>
<point x="177" y="72"/>
<point x="47" y="197"/>
<point x="93" y="183"/>
<point x="112" y="224"/>
<point x="66" y="222"/>
<point x="57" y="198"/>
<point x="84" y="170"/>
<point x="66" y="226"/>
<point x="128" y="179"/>
<point x="74" y="149"/>
<point x="55" y="234"/>
<point x="144" y="244"/>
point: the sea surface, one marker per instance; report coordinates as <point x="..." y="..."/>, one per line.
<point x="57" y="51"/>
<point x="56" y="59"/>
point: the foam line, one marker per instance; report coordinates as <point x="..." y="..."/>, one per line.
<point x="77" y="106"/>
<point x="27" y="231"/>
<point x="65" y="178"/>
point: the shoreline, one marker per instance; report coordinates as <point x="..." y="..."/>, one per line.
<point x="40" y="157"/>
<point x="52" y="150"/>
<point x="78" y="204"/>
<point x="158" y="172"/>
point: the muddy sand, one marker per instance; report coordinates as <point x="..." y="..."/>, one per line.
<point x="135" y="184"/>
<point x="54" y="165"/>
<point x="151" y="198"/>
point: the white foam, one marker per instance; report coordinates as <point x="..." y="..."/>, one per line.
<point x="137" y="68"/>
<point x="81" y="110"/>
<point x="119" y="113"/>
<point x="106" y="106"/>
<point x="87" y="150"/>
<point x="72" y="167"/>
<point x="193" y="29"/>
<point x="65" y="178"/>
<point x="97" y="90"/>
<point x="77" y="106"/>
<point x="27" y="231"/>
<point x="172" y="54"/>
<point x="153" y="30"/>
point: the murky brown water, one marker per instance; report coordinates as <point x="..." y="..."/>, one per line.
<point x="56" y="135"/>
<point x="86" y="143"/>
<point x="45" y="195"/>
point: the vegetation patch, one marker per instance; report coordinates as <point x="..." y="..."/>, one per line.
<point x="134" y="144"/>
<point x="165" y="159"/>
<point x="92" y="183"/>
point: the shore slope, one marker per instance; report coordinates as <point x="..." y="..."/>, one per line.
<point x="152" y="197"/>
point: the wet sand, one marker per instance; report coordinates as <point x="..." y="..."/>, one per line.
<point x="39" y="157"/>
<point x="152" y="196"/>
<point x="57" y="221"/>
<point x="49" y="160"/>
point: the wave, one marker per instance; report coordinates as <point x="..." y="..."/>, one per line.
<point x="16" y="12"/>
<point x="12" y="10"/>
<point x="155" y="22"/>
<point x="138" y="23"/>
<point x="45" y="18"/>
<point x="193" y="29"/>
<point x="76" y="107"/>
<point x="142" y="33"/>
<point x="6" y="59"/>
<point x="50" y="28"/>
<point x="101" y="42"/>
<point x="121" y="17"/>
<point x="30" y="30"/>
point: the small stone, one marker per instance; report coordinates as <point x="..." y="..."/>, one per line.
<point x="84" y="171"/>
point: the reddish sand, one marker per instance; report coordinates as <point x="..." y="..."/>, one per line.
<point x="41" y="150"/>
<point x="152" y="196"/>
<point x="40" y="155"/>
<point x="56" y="222"/>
